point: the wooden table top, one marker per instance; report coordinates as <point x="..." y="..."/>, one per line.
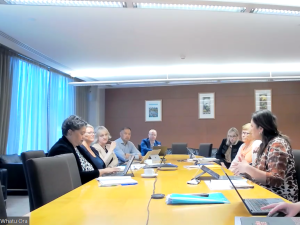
<point x="91" y="204"/>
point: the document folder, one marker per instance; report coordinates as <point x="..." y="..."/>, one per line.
<point x="213" y="198"/>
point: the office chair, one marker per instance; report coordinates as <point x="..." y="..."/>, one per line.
<point x="3" y="214"/>
<point x="205" y="149"/>
<point x="52" y="177"/>
<point x="179" y="148"/>
<point x="296" y="154"/>
<point x="25" y="156"/>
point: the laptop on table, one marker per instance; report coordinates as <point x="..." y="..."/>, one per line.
<point x="124" y="172"/>
<point x="214" y="175"/>
<point x="163" y="150"/>
<point x="150" y="153"/>
<point x="254" y="205"/>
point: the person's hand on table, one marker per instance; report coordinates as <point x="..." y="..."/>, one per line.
<point x="140" y="157"/>
<point x="109" y="170"/>
<point x="127" y="155"/>
<point x="290" y="209"/>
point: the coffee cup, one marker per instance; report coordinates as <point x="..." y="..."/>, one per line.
<point x="149" y="171"/>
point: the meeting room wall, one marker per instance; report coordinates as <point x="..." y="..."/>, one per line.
<point x="233" y="108"/>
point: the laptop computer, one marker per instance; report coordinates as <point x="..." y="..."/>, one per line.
<point x="150" y="153"/>
<point x="124" y="172"/>
<point x="254" y="205"/>
<point x="163" y="150"/>
<point x="215" y="175"/>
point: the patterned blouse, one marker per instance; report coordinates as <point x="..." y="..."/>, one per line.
<point x="85" y="165"/>
<point x="278" y="161"/>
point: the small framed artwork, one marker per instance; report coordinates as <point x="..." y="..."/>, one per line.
<point x="153" y="110"/>
<point x="206" y="105"/>
<point x="263" y="100"/>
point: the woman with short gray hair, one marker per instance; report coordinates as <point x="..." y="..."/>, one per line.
<point x="73" y="130"/>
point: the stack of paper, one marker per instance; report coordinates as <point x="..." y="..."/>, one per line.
<point x="267" y="220"/>
<point x="116" y="180"/>
<point x="226" y="185"/>
<point x="213" y="198"/>
<point x="133" y="167"/>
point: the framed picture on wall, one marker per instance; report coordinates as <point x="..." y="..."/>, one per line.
<point x="263" y="100"/>
<point x="206" y="102"/>
<point x="153" y="110"/>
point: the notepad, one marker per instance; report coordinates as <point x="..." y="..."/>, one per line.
<point x="117" y="180"/>
<point x="213" y="198"/>
<point x="267" y="220"/>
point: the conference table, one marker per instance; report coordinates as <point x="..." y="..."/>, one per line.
<point x="91" y="204"/>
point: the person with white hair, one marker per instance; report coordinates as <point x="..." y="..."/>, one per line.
<point x="148" y="143"/>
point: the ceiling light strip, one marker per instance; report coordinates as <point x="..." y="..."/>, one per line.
<point x="189" y="7"/>
<point x="89" y="83"/>
<point x="275" y="12"/>
<point x="104" y="4"/>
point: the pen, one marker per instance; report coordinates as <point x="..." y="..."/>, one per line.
<point x="128" y="184"/>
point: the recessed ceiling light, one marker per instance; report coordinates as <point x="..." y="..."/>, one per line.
<point x="189" y="7"/>
<point x="105" y="4"/>
<point x="275" y="12"/>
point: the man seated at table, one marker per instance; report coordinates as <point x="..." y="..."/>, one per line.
<point x="148" y="143"/>
<point x="124" y="148"/>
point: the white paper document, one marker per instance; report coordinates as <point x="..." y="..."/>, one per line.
<point x="116" y="180"/>
<point x="226" y="185"/>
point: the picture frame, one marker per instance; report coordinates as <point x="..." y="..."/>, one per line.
<point x="153" y="110"/>
<point x="206" y="105"/>
<point x="263" y="100"/>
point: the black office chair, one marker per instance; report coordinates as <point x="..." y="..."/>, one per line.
<point x="3" y="214"/>
<point x="296" y="154"/>
<point x="205" y="149"/>
<point x="25" y="156"/>
<point x="51" y="177"/>
<point x="180" y="148"/>
<point x="139" y="148"/>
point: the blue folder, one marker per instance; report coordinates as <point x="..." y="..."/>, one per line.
<point x="213" y="198"/>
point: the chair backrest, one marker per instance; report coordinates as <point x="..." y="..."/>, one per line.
<point x="179" y="148"/>
<point x="3" y="214"/>
<point x="296" y="154"/>
<point x="50" y="178"/>
<point x="139" y="148"/>
<point x="73" y="169"/>
<point x="25" y="156"/>
<point x="205" y="149"/>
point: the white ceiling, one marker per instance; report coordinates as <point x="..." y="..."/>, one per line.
<point x="91" y="42"/>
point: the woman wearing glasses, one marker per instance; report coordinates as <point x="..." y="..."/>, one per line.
<point x="249" y="149"/>
<point x="229" y="147"/>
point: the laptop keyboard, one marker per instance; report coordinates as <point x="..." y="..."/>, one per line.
<point x="256" y="204"/>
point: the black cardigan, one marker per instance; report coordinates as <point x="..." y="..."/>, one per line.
<point x="223" y="148"/>
<point x="63" y="146"/>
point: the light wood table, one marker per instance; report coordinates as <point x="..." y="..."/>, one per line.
<point x="91" y="204"/>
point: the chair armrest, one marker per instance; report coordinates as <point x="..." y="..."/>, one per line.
<point x="3" y="179"/>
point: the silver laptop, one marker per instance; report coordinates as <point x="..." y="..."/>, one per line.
<point x="254" y="205"/>
<point x="124" y="172"/>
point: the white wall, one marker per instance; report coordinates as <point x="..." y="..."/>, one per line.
<point x="96" y="106"/>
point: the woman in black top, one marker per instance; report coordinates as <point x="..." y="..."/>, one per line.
<point x="73" y="129"/>
<point x="93" y="154"/>
<point x="229" y="147"/>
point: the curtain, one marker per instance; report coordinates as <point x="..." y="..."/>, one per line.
<point x="82" y="94"/>
<point x="61" y="104"/>
<point x="40" y="101"/>
<point x="7" y="67"/>
<point x="28" y="117"/>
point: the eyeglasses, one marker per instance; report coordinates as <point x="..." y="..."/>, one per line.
<point x="232" y="136"/>
<point x="90" y="133"/>
<point x="246" y="133"/>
